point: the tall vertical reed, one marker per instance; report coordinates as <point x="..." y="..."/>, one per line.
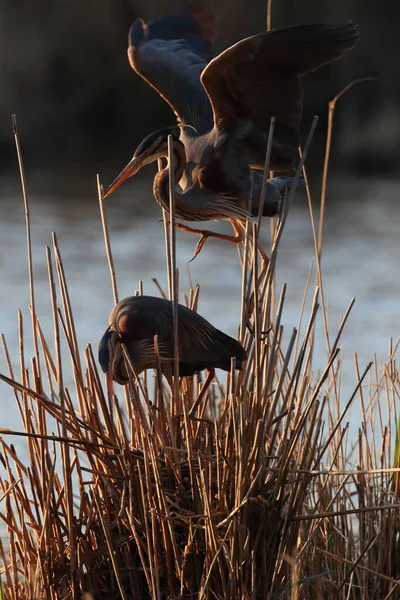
<point x="263" y="496"/>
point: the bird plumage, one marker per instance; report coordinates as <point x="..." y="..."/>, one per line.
<point x="136" y="320"/>
<point x="244" y="86"/>
<point x="170" y="53"/>
<point x="224" y="106"/>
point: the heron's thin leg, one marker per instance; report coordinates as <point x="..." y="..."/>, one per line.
<point x="206" y="385"/>
<point x="205" y="233"/>
<point x="264" y="256"/>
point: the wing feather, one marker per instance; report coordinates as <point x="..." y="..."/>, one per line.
<point x="259" y="77"/>
<point x="170" y="53"/>
<point x="139" y="318"/>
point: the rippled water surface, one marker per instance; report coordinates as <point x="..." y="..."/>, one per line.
<point x="361" y="259"/>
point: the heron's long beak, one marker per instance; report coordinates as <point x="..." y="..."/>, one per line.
<point x="131" y="169"/>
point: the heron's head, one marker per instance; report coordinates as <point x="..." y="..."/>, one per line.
<point x="153" y="147"/>
<point x="111" y="359"/>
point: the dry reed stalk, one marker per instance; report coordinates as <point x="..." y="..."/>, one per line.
<point x="65" y="448"/>
<point x="107" y="242"/>
<point x="244" y="296"/>
<point x="261" y="497"/>
<point x="331" y="111"/>
<point x="167" y="238"/>
<point x="269" y="15"/>
<point x="28" y="236"/>
<point x="174" y="289"/>
<point x="265" y="174"/>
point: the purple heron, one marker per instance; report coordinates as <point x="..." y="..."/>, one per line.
<point x="224" y="106"/>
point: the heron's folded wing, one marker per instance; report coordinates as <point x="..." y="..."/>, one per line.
<point x="170" y="53"/>
<point x="201" y="344"/>
<point x="259" y="77"/>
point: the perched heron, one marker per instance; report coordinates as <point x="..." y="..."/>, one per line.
<point x="137" y="319"/>
<point x="224" y="106"/>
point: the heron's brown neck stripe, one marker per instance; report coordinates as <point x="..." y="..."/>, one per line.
<point x="179" y="160"/>
<point x="161" y="180"/>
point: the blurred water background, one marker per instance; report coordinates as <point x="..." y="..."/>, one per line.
<point x="82" y="111"/>
<point x="361" y="251"/>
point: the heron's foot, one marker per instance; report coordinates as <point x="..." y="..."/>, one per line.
<point x="205" y="234"/>
<point x="234" y="239"/>
<point x="199" y="246"/>
<point x="263" y="254"/>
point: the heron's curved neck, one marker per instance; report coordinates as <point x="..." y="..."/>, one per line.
<point x="161" y="180"/>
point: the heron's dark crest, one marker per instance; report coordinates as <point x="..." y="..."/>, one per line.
<point x="157" y="139"/>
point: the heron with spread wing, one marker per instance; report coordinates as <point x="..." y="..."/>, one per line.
<point x="224" y="106"/>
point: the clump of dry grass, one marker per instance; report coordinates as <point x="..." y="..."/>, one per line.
<point x="262" y="496"/>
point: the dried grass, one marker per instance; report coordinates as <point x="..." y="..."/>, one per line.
<point x="263" y="496"/>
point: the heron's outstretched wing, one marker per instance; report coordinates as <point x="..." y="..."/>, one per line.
<point x="170" y="53"/>
<point x="259" y="77"/>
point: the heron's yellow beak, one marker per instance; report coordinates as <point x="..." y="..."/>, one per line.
<point x="131" y="169"/>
